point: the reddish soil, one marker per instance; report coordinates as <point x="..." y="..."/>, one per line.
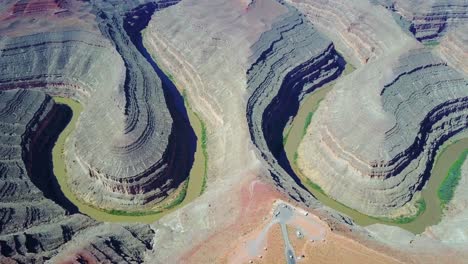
<point x="29" y="17"/>
<point x="81" y="256"/>
<point x="255" y="202"/>
<point x="336" y="249"/>
<point x="37" y="6"/>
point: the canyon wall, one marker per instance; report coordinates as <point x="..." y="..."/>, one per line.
<point x="429" y="20"/>
<point x="288" y="61"/>
<point x="122" y="152"/>
<point x="360" y="30"/>
<point x="36" y="221"/>
<point x="376" y="157"/>
<point x="231" y="65"/>
<point x="453" y="48"/>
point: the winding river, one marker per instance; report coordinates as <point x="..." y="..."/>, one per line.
<point x="195" y="181"/>
<point x="448" y="154"/>
<point x="184" y="121"/>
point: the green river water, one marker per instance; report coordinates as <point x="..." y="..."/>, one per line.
<point x="193" y="189"/>
<point x="432" y="214"/>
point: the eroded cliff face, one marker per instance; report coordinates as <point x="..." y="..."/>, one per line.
<point x="360" y="30"/>
<point x="231" y="64"/>
<point x="245" y="67"/>
<point x="288" y="61"/>
<point x="453" y="48"/>
<point x="380" y="154"/>
<point x="428" y="20"/>
<point x="123" y="151"/>
<point x="134" y="160"/>
<point x="124" y="146"/>
<point x="387" y="146"/>
<point x="36" y="221"/>
<point x="20" y="18"/>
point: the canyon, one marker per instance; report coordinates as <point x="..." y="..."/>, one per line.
<point x="178" y="152"/>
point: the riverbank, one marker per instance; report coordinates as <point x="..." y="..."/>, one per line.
<point x="427" y="202"/>
<point x="188" y="191"/>
<point x="204" y="139"/>
<point x="447" y="188"/>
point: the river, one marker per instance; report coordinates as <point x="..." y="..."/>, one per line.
<point x="195" y="181"/>
<point x="448" y="154"/>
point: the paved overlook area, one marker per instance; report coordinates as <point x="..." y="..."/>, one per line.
<point x="158" y="131"/>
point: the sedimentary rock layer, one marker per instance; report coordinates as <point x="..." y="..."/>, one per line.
<point x="124" y="148"/>
<point x="429" y="20"/>
<point x="288" y="61"/>
<point x="26" y="17"/>
<point x="209" y="54"/>
<point x="454" y="49"/>
<point x="137" y="164"/>
<point x="375" y="137"/>
<point x="36" y="222"/>
<point x="360" y="30"/>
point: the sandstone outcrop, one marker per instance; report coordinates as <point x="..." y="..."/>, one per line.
<point x="245" y="67"/>
<point x="360" y="30"/>
<point x="123" y="150"/>
<point x="36" y="222"/>
<point x="125" y="138"/>
<point x="429" y="20"/>
<point x="209" y="55"/>
<point x="289" y="61"/>
<point x="26" y="17"/>
<point x="376" y="157"/>
<point x="454" y="49"/>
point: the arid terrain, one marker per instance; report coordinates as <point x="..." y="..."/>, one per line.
<point x="233" y="131"/>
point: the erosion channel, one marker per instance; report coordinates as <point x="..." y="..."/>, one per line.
<point x="184" y="121"/>
<point x="189" y="191"/>
<point x="431" y="215"/>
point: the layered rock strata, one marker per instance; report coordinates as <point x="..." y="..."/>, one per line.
<point x="289" y="61"/>
<point x="139" y="164"/>
<point x="375" y="137"/>
<point x="454" y="49"/>
<point x="36" y="222"/>
<point x="360" y="30"/>
<point x="123" y="150"/>
<point x="209" y="54"/>
<point x="430" y="20"/>
<point x="26" y="17"/>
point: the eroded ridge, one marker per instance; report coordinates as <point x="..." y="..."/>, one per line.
<point x="33" y="226"/>
<point x="289" y="60"/>
<point x="429" y="20"/>
<point x="123" y="150"/>
<point x="409" y="110"/>
<point x="454" y="49"/>
<point x="360" y="30"/>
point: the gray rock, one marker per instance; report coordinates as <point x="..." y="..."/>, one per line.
<point x="33" y="226"/>
<point x="453" y="48"/>
<point x="289" y="60"/>
<point x="123" y="149"/>
<point x="383" y="150"/>
<point x="430" y="20"/>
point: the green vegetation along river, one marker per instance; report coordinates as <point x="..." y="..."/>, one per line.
<point x="187" y="193"/>
<point x="429" y="204"/>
